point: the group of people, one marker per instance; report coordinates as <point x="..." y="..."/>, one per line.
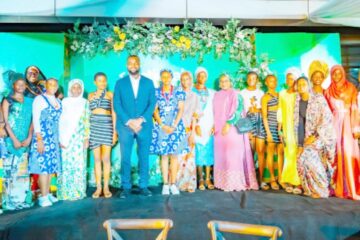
<point x="205" y="138"/>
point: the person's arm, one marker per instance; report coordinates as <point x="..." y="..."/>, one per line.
<point x="355" y="115"/>
<point x="113" y="116"/>
<point x="117" y="104"/>
<point x="5" y="108"/>
<point x="264" y="101"/>
<point x="279" y="117"/>
<point x="181" y="98"/>
<point x="27" y="141"/>
<point x="2" y="124"/>
<point x="38" y="106"/>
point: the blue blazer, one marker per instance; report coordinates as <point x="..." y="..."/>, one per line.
<point x="127" y="107"/>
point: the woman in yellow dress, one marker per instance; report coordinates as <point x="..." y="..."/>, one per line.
<point x="289" y="178"/>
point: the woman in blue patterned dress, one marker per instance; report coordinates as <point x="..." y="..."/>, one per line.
<point x="16" y="108"/>
<point x="45" y="148"/>
<point x="169" y="136"/>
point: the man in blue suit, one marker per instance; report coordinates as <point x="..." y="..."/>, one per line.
<point x="134" y="104"/>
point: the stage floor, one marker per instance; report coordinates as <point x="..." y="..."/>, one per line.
<point x="299" y="217"/>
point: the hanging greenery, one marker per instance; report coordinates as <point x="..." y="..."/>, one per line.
<point x="157" y="39"/>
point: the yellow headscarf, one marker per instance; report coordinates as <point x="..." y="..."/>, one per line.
<point x="319" y="66"/>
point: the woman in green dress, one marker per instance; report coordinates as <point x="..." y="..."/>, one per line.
<point x="17" y="115"/>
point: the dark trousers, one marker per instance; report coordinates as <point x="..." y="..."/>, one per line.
<point x="143" y="140"/>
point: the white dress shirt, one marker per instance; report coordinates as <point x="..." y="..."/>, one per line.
<point x="135" y="84"/>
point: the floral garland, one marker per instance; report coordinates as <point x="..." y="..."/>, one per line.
<point x="157" y="39"/>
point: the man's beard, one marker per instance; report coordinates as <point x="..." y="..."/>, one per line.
<point x="136" y="72"/>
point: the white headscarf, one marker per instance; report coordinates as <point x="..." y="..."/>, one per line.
<point x="73" y="109"/>
<point x="296" y="72"/>
<point x="199" y="70"/>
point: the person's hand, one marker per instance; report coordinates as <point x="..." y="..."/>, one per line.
<point x="40" y="146"/>
<point x="133" y="125"/>
<point x="300" y="151"/>
<point x="225" y="130"/>
<point x="17" y="144"/>
<point x="198" y="130"/>
<point x="2" y="132"/>
<point x="138" y="122"/>
<point x="309" y="140"/>
<point x="269" y="138"/>
<point x="212" y="131"/>
<point x="26" y="142"/>
<point x="191" y="139"/>
<point x="356" y="135"/>
<point x="167" y="129"/>
<point x="86" y="143"/>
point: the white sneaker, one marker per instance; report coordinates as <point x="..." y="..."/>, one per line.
<point x="174" y="190"/>
<point x="52" y="198"/>
<point x="44" y="202"/>
<point x="165" y="190"/>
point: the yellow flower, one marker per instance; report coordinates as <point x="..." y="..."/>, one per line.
<point x="118" y="46"/>
<point x="176" y="29"/>
<point x="188" y="43"/>
<point x="182" y="39"/>
<point x="173" y="41"/>
<point x="122" y="36"/>
<point x="116" y="29"/>
<point x="178" y="44"/>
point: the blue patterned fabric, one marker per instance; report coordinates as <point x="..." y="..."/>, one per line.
<point x="49" y="161"/>
<point x="176" y="142"/>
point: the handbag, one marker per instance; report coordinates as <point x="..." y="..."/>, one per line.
<point x="244" y="125"/>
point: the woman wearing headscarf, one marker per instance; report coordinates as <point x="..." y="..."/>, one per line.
<point x="74" y="140"/>
<point x="204" y="139"/>
<point x="35" y="82"/>
<point x="342" y="99"/>
<point x="316" y="138"/>
<point x="289" y="178"/>
<point x="234" y="166"/>
<point x="318" y="72"/>
<point x="187" y="166"/>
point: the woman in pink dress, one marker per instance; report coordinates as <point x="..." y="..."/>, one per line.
<point x="234" y="166"/>
<point x="342" y="99"/>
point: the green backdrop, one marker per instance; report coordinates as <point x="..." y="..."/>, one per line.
<point x="47" y="51"/>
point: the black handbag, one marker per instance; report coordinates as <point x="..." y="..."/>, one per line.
<point x="244" y="125"/>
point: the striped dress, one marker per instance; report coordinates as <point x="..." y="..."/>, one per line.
<point x="272" y="120"/>
<point x="101" y="125"/>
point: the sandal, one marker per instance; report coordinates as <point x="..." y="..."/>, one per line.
<point x="209" y="184"/>
<point x="274" y="186"/>
<point x="107" y="193"/>
<point x="283" y="185"/>
<point x="97" y="193"/>
<point x="201" y="185"/>
<point x="264" y="186"/>
<point x="315" y="195"/>
<point x="298" y="191"/>
<point x="289" y="189"/>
